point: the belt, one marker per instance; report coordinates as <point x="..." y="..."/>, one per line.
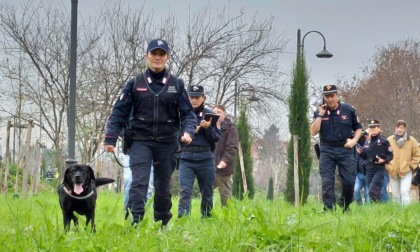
<point x="334" y="144"/>
<point x="196" y="148"/>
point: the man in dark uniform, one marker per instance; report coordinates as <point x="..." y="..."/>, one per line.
<point x="160" y="107"/>
<point x="335" y="122"/>
<point x="197" y="159"/>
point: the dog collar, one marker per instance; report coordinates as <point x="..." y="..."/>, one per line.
<point x="75" y="197"/>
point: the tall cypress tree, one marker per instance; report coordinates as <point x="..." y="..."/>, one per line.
<point x="299" y="125"/>
<point x="270" y="191"/>
<point x="245" y="140"/>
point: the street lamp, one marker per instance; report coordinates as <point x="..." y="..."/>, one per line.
<point x="300" y="44"/>
<point x="299" y="86"/>
<point x="253" y="98"/>
<point x="71" y="121"/>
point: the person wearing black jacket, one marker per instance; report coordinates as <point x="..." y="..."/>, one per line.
<point x="225" y="154"/>
<point x="360" y="183"/>
<point x="376" y="152"/>
<point x="197" y="159"/>
<point x="162" y="116"/>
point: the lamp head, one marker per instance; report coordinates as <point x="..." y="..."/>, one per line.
<point x="324" y="54"/>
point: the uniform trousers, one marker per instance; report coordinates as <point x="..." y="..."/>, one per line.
<point x="331" y="158"/>
<point x="205" y="171"/>
<point x="375" y="181"/>
<point x="141" y="155"/>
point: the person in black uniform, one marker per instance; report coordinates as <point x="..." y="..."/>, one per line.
<point x="160" y="107"/>
<point x="336" y="122"/>
<point x="197" y="158"/>
<point x="376" y="152"/>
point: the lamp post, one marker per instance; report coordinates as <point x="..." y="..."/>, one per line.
<point x="300" y="45"/>
<point x="71" y="121"/>
<point x="238" y="90"/>
<point x="296" y="120"/>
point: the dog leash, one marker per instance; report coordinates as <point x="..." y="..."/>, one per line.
<point x="118" y="161"/>
<point x="100" y="154"/>
<point x="93" y="159"/>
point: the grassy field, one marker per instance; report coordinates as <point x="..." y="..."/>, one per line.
<point x="35" y="224"/>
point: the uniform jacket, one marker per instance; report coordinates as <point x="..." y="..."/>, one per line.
<point x="405" y="159"/>
<point x="159" y="108"/>
<point x="202" y="139"/>
<point x="338" y="125"/>
<point x="376" y="146"/>
<point x="227" y="147"/>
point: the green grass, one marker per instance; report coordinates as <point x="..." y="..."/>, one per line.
<point x="35" y="224"/>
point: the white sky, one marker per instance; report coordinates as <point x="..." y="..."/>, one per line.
<point x="354" y="29"/>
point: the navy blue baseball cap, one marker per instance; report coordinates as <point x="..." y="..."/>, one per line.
<point x="195" y="90"/>
<point x="329" y="89"/>
<point x="158" y="44"/>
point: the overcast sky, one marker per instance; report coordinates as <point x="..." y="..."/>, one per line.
<point x="354" y="29"/>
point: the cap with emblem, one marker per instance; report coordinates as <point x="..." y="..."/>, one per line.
<point x="329" y="89"/>
<point x="158" y="44"/>
<point x="195" y="90"/>
<point x="374" y="123"/>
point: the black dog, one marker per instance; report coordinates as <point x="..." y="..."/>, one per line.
<point x="78" y="193"/>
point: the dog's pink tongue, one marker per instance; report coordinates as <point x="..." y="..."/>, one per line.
<point x="78" y="189"/>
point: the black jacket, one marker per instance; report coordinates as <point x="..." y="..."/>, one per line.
<point x="377" y="146"/>
<point x="158" y="111"/>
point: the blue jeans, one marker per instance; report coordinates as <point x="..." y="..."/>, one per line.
<point x="384" y="193"/>
<point x="358" y="186"/>
<point x="128" y="179"/>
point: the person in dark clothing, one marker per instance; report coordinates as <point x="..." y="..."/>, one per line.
<point x="376" y="152"/>
<point x="361" y="183"/>
<point x="225" y="154"/>
<point x="197" y="159"/>
<point x="336" y="122"/>
<point x="162" y="114"/>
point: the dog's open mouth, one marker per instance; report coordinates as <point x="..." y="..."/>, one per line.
<point x="78" y="188"/>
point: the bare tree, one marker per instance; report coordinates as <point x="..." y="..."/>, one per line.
<point x="41" y="35"/>
<point x="119" y="56"/>
<point x="390" y="88"/>
<point x="213" y="49"/>
<point x="219" y="50"/>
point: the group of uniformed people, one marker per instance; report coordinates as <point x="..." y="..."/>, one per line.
<point x="339" y="132"/>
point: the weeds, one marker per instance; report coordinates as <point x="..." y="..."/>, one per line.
<point x="35" y="224"/>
